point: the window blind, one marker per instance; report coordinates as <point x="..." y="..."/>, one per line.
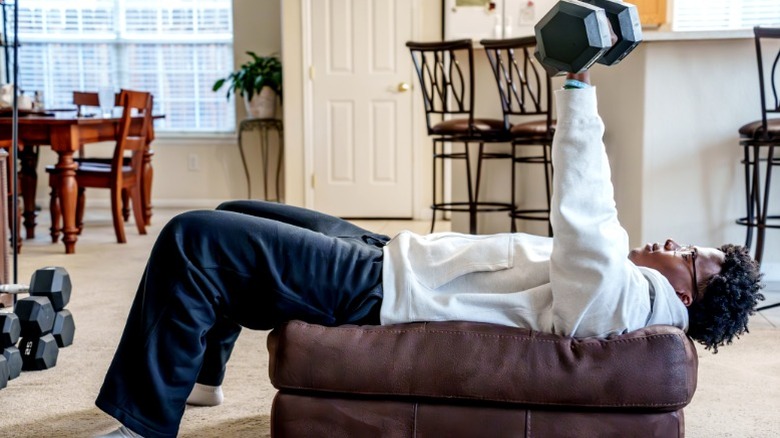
<point x="694" y="15"/>
<point x="175" y="49"/>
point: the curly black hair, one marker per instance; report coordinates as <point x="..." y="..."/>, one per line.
<point x="730" y="297"/>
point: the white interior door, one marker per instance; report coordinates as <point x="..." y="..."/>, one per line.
<point x="362" y="107"/>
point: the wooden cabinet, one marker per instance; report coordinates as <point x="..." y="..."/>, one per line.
<point x="652" y="13"/>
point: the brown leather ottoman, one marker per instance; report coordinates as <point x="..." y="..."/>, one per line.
<point x="461" y="379"/>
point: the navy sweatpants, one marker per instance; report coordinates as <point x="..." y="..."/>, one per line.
<point x="248" y="263"/>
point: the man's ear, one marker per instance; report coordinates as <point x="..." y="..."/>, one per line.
<point x="685" y="297"/>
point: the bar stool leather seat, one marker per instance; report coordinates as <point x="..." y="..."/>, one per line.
<point x="485" y="127"/>
<point x="755" y="130"/>
<point x="535" y="128"/>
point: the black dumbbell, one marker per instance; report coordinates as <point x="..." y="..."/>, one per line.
<point x="10" y="329"/>
<point x="64" y="328"/>
<point x="39" y="353"/>
<point x="14" y="358"/>
<point x="52" y="282"/>
<point x="38" y="346"/>
<point x="575" y="34"/>
<point x="4" y="372"/>
<point x="36" y="316"/>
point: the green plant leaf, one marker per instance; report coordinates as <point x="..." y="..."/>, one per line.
<point x="252" y="76"/>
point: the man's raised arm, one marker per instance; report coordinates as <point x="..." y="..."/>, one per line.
<point x="589" y="270"/>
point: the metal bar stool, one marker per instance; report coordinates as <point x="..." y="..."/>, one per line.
<point x="446" y="73"/>
<point x="525" y="90"/>
<point x="759" y="140"/>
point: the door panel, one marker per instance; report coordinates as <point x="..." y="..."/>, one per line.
<point x="362" y="127"/>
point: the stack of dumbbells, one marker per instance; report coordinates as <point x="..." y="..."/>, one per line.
<point x="40" y="320"/>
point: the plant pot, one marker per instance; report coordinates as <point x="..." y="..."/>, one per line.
<point x="262" y="105"/>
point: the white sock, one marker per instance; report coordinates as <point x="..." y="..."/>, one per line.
<point x="122" y="432"/>
<point x="205" y="395"/>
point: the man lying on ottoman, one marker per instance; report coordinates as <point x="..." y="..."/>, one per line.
<point x="257" y="265"/>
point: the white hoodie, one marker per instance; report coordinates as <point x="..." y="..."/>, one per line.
<point x="578" y="283"/>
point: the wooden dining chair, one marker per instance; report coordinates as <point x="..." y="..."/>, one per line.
<point x="90" y="99"/>
<point x="123" y="176"/>
<point x="84" y="99"/>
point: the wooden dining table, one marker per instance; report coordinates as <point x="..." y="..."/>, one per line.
<point x="65" y="132"/>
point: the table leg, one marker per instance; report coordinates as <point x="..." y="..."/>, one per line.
<point x="65" y="142"/>
<point x="264" y="158"/>
<point x="146" y="186"/>
<point x="28" y="181"/>
<point x="243" y="161"/>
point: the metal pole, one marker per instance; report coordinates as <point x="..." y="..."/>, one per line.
<point x="5" y="47"/>
<point x="15" y="147"/>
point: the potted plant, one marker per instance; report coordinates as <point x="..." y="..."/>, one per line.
<point x="259" y="82"/>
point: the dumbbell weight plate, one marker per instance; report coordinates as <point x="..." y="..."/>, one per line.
<point x="52" y="282"/>
<point x="64" y="328"/>
<point x="14" y="358"/>
<point x="36" y="316"/>
<point x="624" y="18"/>
<point x="39" y="353"/>
<point x="10" y="329"/>
<point x="4" y="372"/>
<point x="571" y="37"/>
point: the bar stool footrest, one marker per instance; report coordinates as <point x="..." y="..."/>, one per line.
<point x="754" y="223"/>
<point x="483" y="207"/>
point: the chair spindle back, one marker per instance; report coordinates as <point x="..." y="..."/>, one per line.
<point x="130" y="138"/>
<point x="445" y="71"/>
<point x="773" y="80"/>
<point x="523" y="85"/>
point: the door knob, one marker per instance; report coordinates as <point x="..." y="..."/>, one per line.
<point x="403" y="87"/>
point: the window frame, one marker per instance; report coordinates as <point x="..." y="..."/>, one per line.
<point x="684" y="13"/>
<point x="121" y="38"/>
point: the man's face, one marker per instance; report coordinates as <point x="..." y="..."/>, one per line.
<point x="683" y="267"/>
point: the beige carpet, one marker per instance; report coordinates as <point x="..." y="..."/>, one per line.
<point x="738" y="394"/>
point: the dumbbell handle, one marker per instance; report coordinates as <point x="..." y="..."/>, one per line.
<point x="14" y="288"/>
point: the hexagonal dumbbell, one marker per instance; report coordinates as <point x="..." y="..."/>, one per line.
<point x="625" y="24"/>
<point x="39" y="353"/>
<point x="36" y="316"/>
<point x="575" y="34"/>
<point x="10" y="329"/>
<point x="52" y="282"/>
<point x="4" y="372"/>
<point x="14" y="358"/>
<point x="64" y="328"/>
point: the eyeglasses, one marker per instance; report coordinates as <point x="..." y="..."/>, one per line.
<point x="690" y="253"/>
